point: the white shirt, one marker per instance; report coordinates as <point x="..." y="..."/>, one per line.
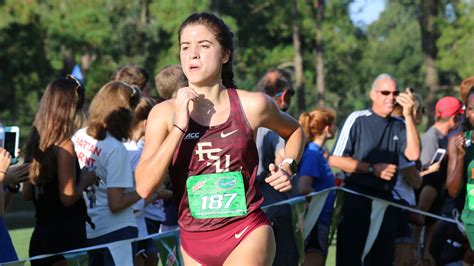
<point x="154" y="210"/>
<point x="111" y="163"/>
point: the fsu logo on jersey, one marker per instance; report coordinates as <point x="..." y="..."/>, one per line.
<point x="205" y="152"/>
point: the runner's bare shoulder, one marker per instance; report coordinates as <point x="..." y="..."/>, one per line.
<point x="254" y="101"/>
<point x="162" y="113"/>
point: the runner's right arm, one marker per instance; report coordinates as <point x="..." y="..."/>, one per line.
<point x="161" y="140"/>
<point x="162" y="136"/>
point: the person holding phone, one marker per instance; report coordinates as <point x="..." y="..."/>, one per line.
<point x="458" y="182"/>
<point x="7" y="250"/>
<point x="448" y="114"/>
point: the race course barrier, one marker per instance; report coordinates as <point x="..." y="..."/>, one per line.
<point x="304" y="217"/>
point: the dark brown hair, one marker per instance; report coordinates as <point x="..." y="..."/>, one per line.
<point x="111" y="110"/>
<point x="53" y="124"/>
<point x="314" y="122"/>
<point x="274" y="81"/>
<point x="223" y="35"/>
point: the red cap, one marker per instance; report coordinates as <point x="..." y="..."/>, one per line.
<point x="448" y="106"/>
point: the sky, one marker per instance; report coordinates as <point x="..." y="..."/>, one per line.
<point x="366" y="11"/>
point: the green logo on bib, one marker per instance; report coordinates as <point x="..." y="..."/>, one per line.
<point x="226" y="183"/>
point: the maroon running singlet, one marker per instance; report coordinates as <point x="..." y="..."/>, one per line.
<point x="227" y="147"/>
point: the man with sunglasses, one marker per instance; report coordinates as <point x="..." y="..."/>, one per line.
<point x="368" y="148"/>
<point x="277" y="84"/>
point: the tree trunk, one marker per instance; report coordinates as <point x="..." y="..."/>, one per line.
<point x="429" y="35"/>
<point x="68" y="60"/>
<point x="145" y="13"/>
<point x="318" y="10"/>
<point x="215" y="6"/>
<point x="298" y="59"/>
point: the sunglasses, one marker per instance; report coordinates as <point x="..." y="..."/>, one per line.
<point x="134" y="90"/>
<point x="80" y="90"/>
<point x="387" y="93"/>
<point x="134" y="95"/>
<point x="72" y="78"/>
<point x="285" y="94"/>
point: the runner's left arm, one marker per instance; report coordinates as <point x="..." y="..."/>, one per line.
<point x="262" y="111"/>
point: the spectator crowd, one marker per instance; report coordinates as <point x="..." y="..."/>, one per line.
<point x="112" y="171"/>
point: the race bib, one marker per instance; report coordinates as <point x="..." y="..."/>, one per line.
<point x="216" y="195"/>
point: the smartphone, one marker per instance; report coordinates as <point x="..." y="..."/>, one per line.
<point x="11" y="141"/>
<point x="438" y="156"/>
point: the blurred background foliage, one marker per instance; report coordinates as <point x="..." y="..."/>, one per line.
<point x="40" y="40"/>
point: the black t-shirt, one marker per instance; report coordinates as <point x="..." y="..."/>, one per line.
<point x="373" y="139"/>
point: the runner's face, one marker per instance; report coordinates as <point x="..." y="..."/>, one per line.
<point x="383" y="104"/>
<point x="201" y="55"/>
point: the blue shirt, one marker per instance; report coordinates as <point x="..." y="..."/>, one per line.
<point x="314" y="164"/>
<point x="7" y="251"/>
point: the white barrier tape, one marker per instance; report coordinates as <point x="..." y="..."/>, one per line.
<point x="404" y="207"/>
<point x="314" y="210"/>
<point x="460" y="225"/>
<point x="298" y="198"/>
<point x="169" y="250"/>
<point x="376" y="218"/>
<point x="288" y="201"/>
<point x="101" y="246"/>
<point x="122" y="252"/>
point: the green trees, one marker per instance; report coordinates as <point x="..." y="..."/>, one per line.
<point x="456" y="42"/>
<point x="43" y="39"/>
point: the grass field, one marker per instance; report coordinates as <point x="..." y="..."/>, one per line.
<point x="21" y="240"/>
